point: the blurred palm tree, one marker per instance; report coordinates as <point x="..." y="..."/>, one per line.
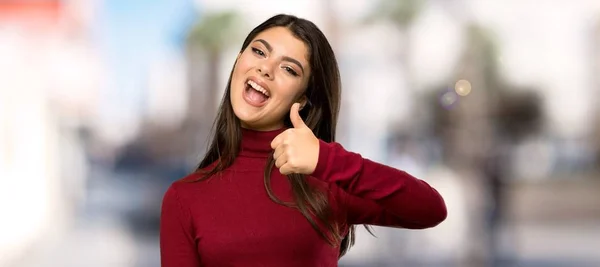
<point x="478" y="118"/>
<point x="209" y="38"/>
<point x="477" y="106"/>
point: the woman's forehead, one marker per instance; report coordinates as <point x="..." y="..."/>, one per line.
<point x="283" y="42"/>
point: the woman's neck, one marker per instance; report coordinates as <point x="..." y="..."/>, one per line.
<point x="258" y="142"/>
<point x="262" y="128"/>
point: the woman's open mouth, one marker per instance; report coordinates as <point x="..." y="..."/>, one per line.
<point x="255" y="94"/>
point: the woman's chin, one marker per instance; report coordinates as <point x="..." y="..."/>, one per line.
<point x="247" y="116"/>
<point x="248" y="119"/>
<point x="251" y="119"/>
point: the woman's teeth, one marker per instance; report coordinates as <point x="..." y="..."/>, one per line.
<point x="257" y="87"/>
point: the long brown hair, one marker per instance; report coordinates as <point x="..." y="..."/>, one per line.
<point x="324" y="94"/>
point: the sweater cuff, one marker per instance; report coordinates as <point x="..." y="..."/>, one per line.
<point x="322" y="162"/>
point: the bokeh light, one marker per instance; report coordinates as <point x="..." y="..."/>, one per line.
<point x="462" y="87"/>
<point x="448" y="99"/>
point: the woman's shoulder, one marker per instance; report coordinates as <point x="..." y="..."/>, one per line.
<point x="193" y="177"/>
<point x="188" y="179"/>
<point x="188" y="185"/>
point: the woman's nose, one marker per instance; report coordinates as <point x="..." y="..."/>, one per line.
<point x="265" y="69"/>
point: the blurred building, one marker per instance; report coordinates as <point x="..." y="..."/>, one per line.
<point x="30" y="193"/>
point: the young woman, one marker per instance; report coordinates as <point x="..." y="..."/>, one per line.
<point x="275" y="189"/>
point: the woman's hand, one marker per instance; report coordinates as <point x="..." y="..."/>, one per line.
<point x="296" y="149"/>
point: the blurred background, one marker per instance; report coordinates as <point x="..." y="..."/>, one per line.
<point x="104" y="103"/>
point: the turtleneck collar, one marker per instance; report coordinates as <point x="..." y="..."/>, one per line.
<point x="258" y="143"/>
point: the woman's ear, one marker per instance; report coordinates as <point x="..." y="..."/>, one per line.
<point x="303" y="100"/>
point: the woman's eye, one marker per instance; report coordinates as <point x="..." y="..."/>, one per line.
<point x="291" y="71"/>
<point x="258" y="51"/>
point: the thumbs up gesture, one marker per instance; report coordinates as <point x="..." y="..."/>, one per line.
<point x="296" y="149"/>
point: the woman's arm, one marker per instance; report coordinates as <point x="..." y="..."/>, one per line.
<point x="177" y="242"/>
<point x="378" y="194"/>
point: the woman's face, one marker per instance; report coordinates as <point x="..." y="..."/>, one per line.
<point x="269" y="76"/>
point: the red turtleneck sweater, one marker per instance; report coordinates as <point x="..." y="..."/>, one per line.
<point x="230" y="220"/>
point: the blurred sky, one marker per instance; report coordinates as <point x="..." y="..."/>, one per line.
<point x="131" y="35"/>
